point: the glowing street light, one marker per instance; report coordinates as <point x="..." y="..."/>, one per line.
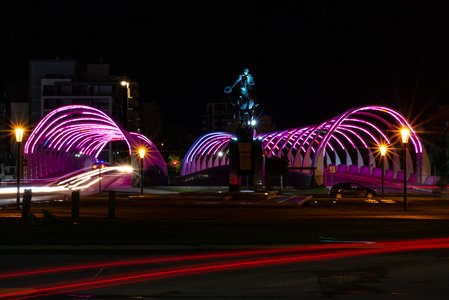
<point x="383" y="152"/>
<point x="405" y="134"/>
<point x="125" y="83"/>
<point x="19" y="136"/>
<point x="142" y="152"/>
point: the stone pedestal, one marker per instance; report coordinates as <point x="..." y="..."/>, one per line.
<point x="246" y="161"/>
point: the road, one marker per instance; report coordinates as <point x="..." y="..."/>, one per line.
<point x="334" y="268"/>
<point x="343" y="270"/>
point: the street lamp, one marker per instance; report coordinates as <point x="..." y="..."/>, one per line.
<point x="125" y="83"/>
<point x="405" y="134"/>
<point x="19" y="136"/>
<point x="142" y="152"/>
<point x="383" y="151"/>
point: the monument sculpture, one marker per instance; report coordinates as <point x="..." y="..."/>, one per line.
<point x="245" y="101"/>
<point x="245" y="153"/>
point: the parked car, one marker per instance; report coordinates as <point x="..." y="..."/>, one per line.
<point x="351" y="189"/>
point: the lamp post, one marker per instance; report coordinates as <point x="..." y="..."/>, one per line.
<point x="383" y="151"/>
<point x="141" y="155"/>
<point x="125" y="83"/>
<point x="19" y="136"/>
<point x="405" y="134"/>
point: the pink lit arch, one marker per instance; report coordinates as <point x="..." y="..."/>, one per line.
<point x="351" y="139"/>
<point x="71" y="137"/>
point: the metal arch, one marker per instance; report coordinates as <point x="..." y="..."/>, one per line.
<point x="342" y="118"/>
<point x="80" y="130"/>
<point x="204" y="152"/>
<point x="306" y="147"/>
<point x="421" y="166"/>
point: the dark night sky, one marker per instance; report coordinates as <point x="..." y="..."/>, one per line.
<point x="311" y="61"/>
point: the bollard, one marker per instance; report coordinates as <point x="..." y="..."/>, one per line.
<point x="111" y="211"/>
<point x="75" y="204"/>
<point x="26" y="203"/>
<point x="281" y="185"/>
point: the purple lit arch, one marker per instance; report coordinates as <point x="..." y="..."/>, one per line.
<point x="204" y="153"/>
<point x="349" y="141"/>
<point x="71" y="138"/>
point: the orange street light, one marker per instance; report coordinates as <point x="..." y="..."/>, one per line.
<point x="19" y="137"/>
<point x="142" y="151"/>
<point x="383" y="152"/>
<point x="405" y="134"/>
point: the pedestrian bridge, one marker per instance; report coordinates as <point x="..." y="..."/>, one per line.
<point x="72" y="137"/>
<point x="348" y="143"/>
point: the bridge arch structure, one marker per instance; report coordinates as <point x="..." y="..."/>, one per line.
<point x="72" y="137"/>
<point x="349" y="141"/>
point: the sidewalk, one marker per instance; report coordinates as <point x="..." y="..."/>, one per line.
<point x="146" y="191"/>
<point x="152" y="223"/>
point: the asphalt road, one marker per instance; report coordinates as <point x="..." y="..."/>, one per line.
<point x="412" y="275"/>
<point x="173" y="226"/>
<point x="400" y="276"/>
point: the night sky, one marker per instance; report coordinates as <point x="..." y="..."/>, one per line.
<point x="310" y="61"/>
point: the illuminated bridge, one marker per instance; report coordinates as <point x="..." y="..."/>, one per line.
<point x="350" y="142"/>
<point x="72" y="137"/>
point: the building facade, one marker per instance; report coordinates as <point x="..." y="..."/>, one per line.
<point x="13" y="111"/>
<point x="56" y="83"/>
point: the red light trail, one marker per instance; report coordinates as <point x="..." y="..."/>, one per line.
<point x="131" y="262"/>
<point x="326" y="252"/>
